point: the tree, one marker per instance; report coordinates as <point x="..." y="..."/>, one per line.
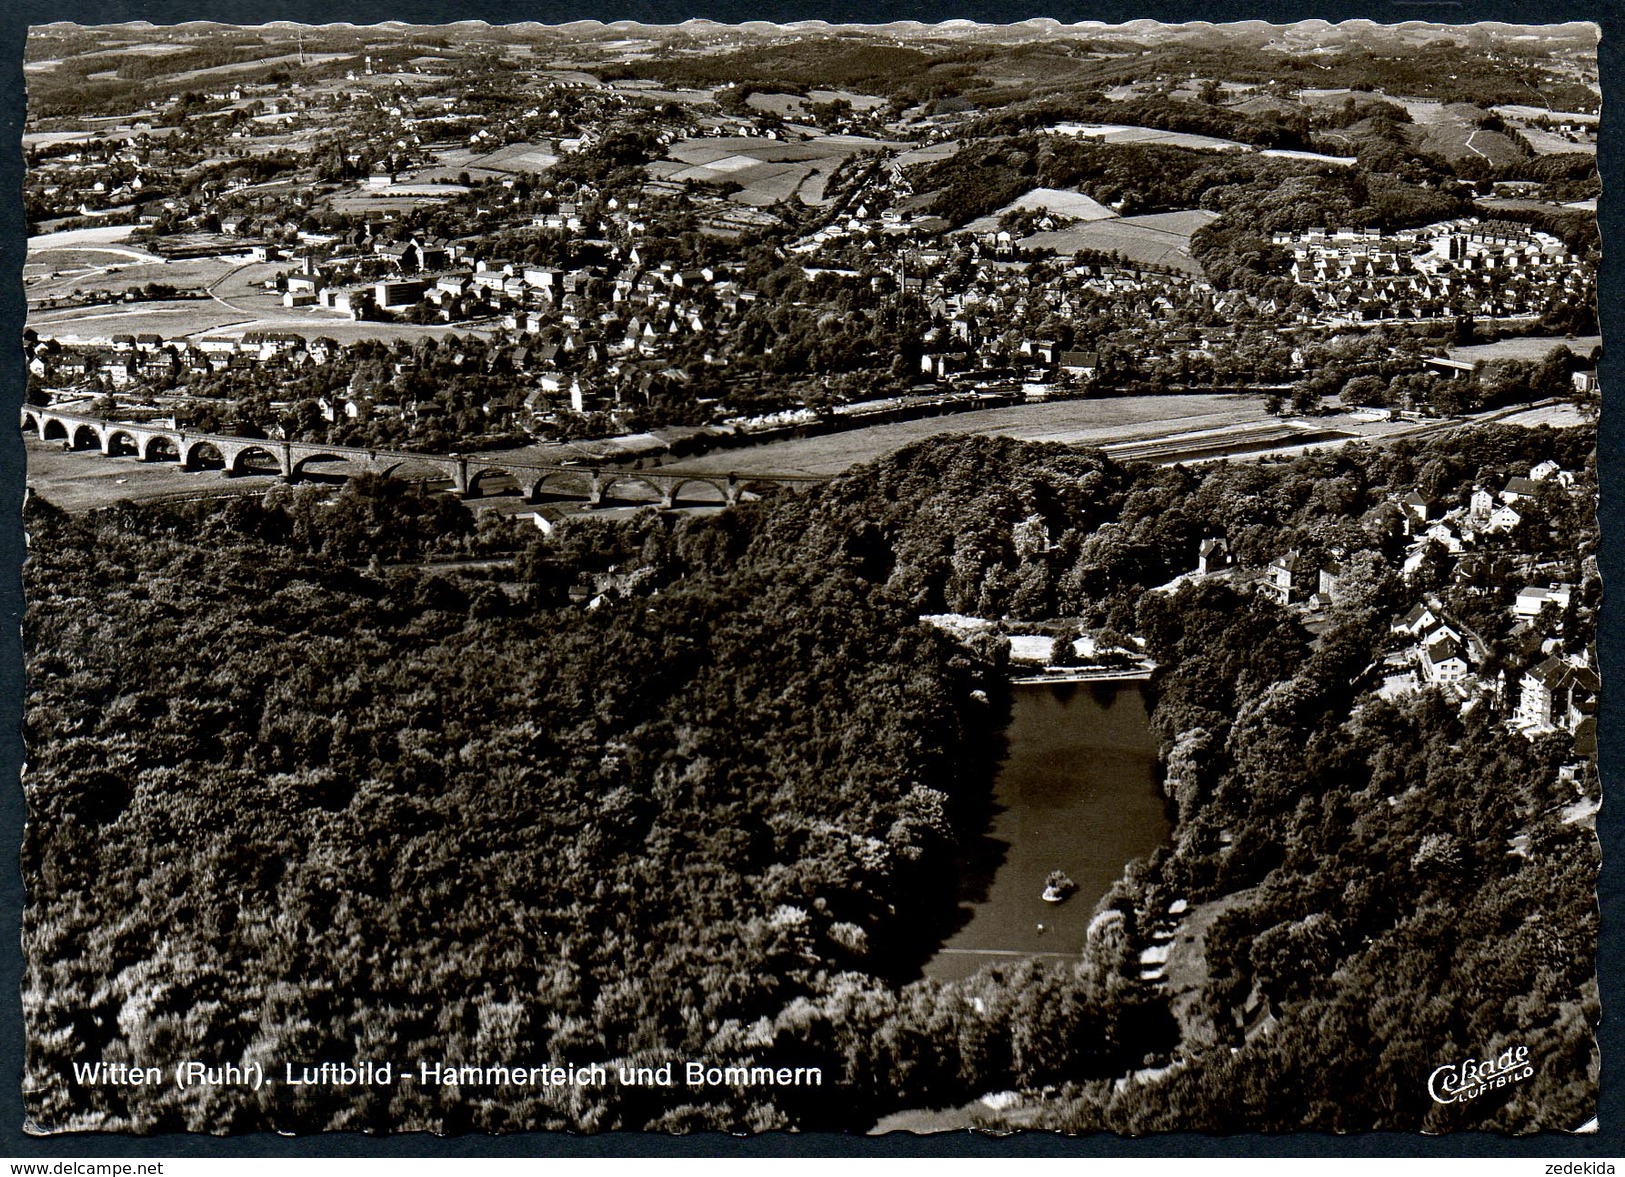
<point x="1365" y="390"/>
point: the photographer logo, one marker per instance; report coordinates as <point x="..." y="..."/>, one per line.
<point x="1471" y="1078"/>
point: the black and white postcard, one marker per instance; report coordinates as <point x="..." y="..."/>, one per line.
<point x="808" y="577"/>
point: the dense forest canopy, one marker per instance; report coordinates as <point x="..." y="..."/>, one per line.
<point x="297" y="796"/>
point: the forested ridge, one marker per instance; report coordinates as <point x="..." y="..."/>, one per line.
<point x="292" y="800"/>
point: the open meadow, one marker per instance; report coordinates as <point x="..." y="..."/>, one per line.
<point x="1158" y="239"/>
<point x="1079" y="422"/>
<point x="195" y="317"/>
<point x="1526" y="347"/>
<point x="767" y="170"/>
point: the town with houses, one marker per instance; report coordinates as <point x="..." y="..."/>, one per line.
<point x="634" y="243"/>
<point x="1485" y="267"/>
<point x="1433" y="649"/>
<point x="531" y="238"/>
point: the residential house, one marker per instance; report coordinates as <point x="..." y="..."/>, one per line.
<point x="398" y="293"/>
<point x="1415" y="507"/>
<point x="455" y="284"/>
<point x="1212" y="555"/>
<point x="1419" y="620"/>
<point x="1291" y="579"/>
<point x="1517" y="490"/>
<point x="1443" y="659"/>
<point x="1330" y="584"/>
<point x="1083" y="364"/>
<point x="544" y="278"/>
<point x="1533" y="599"/>
<point x="1445" y="536"/>
<point x="1557" y="694"/>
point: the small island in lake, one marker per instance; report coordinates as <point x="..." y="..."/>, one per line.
<point x="1058" y="887"/>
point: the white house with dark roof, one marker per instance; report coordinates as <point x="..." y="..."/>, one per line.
<point x="1418" y="620"/>
<point x="1212" y="555"/>
<point x="1518" y="489"/>
<point x="1291" y="578"/>
<point x="1557" y="694"/>
<point x="1533" y="599"/>
<point x="1443" y="659"/>
<point x="1445" y="535"/>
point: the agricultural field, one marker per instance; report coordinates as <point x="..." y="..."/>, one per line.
<point x="98" y="257"/>
<point x="1451" y="131"/>
<point x="767" y="170"/>
<point x="1514" y="203"/>
<point x="80" y="260"/>
<point x="188" y="318"/>
<point x="681" y="95"/>
<point x="787" y="106"/>
<point x="172" y="320"/>
<point x="1540" y="112"/>
<point x="396" y="80"/>
<point x="1551" y="143"/>
<point x="1525" y="348"/>
<point x="88" y="237"/>
<point x="859" y="101"/>
<point x="220" y="71"/>
<point x="1159" y="239"/>
<point x="394" y="198"/>
<point x="1125" y="133"/>
<point x="1311" y="156"/>
<point x="153" y="49"/>
<point x="794" y="106"/>
<point x="1554" y="416"/>
<point x="1265" y="104"/>
<point x="1063" y="203"/>
<point x="1084" y="422"/>
<point x="451" y="165"/>
<point x="518" y="158"/>
<point x="1121" y="133"/>
<point x="1457" y="142"/>
<point x="57" y="273"/>
<point x="238" y="300"/>
<point x="931" y="153"/>
<point x="51" y="138"/>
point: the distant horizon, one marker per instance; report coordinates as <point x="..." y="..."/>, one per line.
<point x="815" y="23"/>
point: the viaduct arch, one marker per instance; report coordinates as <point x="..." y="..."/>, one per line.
<point x="293" y="460"/>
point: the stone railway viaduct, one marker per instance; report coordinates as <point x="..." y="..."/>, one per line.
<point x="294" y="460"/>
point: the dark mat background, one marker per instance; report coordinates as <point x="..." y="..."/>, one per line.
<point x="17" y="15"/>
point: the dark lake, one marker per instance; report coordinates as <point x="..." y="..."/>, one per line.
<point x="1077" y="792"/>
